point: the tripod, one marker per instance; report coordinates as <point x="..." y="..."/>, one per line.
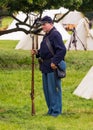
<point x="74" y="40"/>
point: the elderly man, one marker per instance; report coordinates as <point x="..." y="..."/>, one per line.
<point x="51" y="84"/>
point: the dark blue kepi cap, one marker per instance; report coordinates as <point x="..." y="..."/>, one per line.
<point x="46" y="19"/>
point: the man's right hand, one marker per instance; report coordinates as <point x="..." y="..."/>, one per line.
<point x="34" y="52"/>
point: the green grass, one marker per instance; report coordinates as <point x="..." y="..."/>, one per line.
<point x="15" y="88"/>
<point x="6" y="21"/>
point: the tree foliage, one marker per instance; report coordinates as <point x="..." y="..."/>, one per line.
<point x="38" y="5"/>
<point x="10" y="7"/>
<point x="86" y="6"/>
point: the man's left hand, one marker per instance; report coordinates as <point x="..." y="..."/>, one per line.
<point x="53" y="66"/>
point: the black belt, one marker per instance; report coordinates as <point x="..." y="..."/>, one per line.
<point x="43" y="60"/>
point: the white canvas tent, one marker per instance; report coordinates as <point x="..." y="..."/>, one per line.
<point x="26" y="42"/>
<point x="73" y="17"/>
<point x="54" y="12"/>
<point x="62" y="31"/>
<point x="14" y="35"/>
<point x="85" y="88"/>
<point x="19" y="34"/>
<point x="83" y="37"/>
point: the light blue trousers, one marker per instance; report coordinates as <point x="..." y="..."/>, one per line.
<point x="53" y="93"/>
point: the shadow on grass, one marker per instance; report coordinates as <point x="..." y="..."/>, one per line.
<point x="20" y="115"/>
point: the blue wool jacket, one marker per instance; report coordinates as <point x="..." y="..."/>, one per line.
<point x="59" y="49"/>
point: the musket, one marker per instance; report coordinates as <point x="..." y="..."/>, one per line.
<point x="36" y="41"/>
<point x="32" y="81"/>
<point x="73" y="40"/>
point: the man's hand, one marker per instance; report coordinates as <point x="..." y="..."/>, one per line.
<point x="53" y="66"/>
<point x="34" y="52"/>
